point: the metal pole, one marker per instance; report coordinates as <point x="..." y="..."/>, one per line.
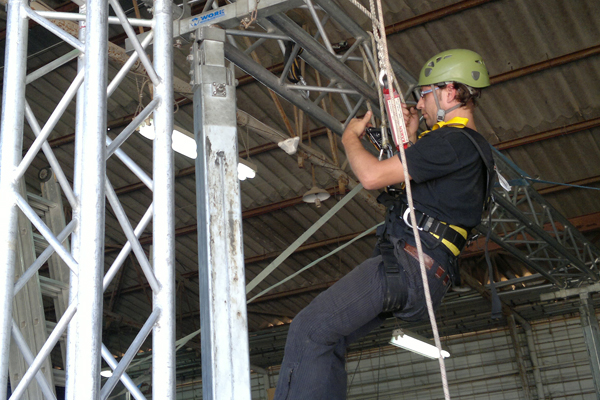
<point x="92" y="207"/>
<point x="591" y="334"/>
<point x="163" y="222"/>
<point x="225" y="349"/>
<point x="71" y="367"/>
<point x="11" y="144"/>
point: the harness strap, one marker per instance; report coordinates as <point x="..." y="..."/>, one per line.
<point x="452" y="236"/>
<point x="489" y="165"/>
<point x="396" y="291"/>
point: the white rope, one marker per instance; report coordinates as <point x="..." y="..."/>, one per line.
<point x="383" y="56"/>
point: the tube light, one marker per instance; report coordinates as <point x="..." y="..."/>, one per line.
<point x="246" y="169"/>
<point x="182" y="141"/>
<point x="107" y="373"/>
<point x="411" y="343"/>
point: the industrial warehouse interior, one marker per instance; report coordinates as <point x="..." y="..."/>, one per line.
<point x="162" y="264"/>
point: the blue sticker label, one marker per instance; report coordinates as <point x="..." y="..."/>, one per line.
<point x="206" y="18"/>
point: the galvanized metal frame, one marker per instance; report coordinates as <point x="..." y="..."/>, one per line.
<point x="83" y="316"/>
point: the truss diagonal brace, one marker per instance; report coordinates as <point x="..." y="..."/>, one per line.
<point x="515" y="252"/>
<point x="306" y="41"/>
<point x="539" y="231"/>
<point x="355" y="30"/>
<point x="272" y="82"/>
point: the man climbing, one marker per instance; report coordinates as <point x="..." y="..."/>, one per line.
<point x="450" y="183"/>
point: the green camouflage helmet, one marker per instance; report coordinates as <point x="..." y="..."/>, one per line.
<point x="458" y="65"/>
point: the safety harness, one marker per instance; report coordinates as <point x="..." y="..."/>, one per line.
<point x="451" y="236"/>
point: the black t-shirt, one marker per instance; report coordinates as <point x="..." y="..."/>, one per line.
<point x="448" y="175"/>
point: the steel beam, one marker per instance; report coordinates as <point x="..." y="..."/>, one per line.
<point x="91" y="200"/>
<point x="223" y="317"/>
<point x="71" y="365"/>
<point x="272" y="82"/>
<point x="514" y="335"/>
<point x="346" y="76"/>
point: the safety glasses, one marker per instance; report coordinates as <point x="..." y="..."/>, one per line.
<point x="424" y="92"/>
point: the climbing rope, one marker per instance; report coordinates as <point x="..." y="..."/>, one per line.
<point x="379" y="37"/>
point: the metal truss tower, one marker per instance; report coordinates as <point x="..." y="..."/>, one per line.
<point x="85" y="259"/>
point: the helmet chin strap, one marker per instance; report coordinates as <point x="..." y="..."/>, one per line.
<point x="441" y="114"/>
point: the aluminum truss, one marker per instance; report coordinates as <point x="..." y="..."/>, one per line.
<point x="85" y="259"/>
<point x="529" y="228"/>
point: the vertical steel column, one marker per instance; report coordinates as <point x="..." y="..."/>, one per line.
<point x="537" y="375"/>
<point x="225" y="349"/>
<point x="71" y="366"/>
<point x="11" y="144"/>
<point x="591" y="334"/>
<point x="163" y="224"/>
<point x="514" y="335"/>
<point x="91" y="203"/>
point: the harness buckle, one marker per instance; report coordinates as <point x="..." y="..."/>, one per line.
<point x="406" y="218"/>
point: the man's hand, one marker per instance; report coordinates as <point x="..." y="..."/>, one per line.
<point x="356" y="127"/>
<point x="411" y="119"/>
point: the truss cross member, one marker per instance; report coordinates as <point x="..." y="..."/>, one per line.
<point x="225" y="349"/>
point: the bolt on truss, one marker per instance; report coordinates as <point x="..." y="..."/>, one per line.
<point x="84" y="257"/>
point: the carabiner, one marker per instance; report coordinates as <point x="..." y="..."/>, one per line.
<point x="406" y="217"/>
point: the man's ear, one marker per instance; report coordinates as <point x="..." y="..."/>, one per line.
<point x="452" y="93"/>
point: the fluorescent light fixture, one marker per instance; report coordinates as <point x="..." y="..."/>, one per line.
<point x="183" y="140"/>
<point x="107" y="373"/>
<point x="290" y="145"/>
<point x="412" y="342"/>
<point x="184" y="143"/>
<point x="246" y="169"/>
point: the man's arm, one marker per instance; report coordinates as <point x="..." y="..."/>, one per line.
<point x="372" y="173"/>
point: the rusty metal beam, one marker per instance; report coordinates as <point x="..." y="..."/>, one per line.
<point x="554" y="62"/>
<point x="552" y="133"/>
<point x="433" y="15"/>
<point x="253" y="212"/>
